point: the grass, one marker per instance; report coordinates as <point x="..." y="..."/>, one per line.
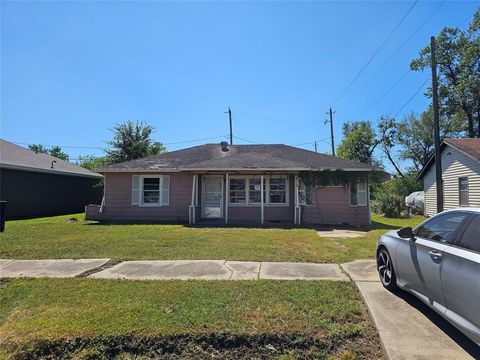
<point x="327" y="318"/>
<point x="53" y="237"/>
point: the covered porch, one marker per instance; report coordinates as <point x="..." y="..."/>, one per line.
<point x="246" y="197"/>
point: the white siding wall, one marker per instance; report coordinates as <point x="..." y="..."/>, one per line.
<point x="455" y="164"/>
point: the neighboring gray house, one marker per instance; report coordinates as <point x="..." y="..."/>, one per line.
<point x="221" y="183"/>
<point x="37" y="184"/>
<point x="460" y="174"/>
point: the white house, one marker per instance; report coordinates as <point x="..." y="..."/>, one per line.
<point x="460" y="174"/>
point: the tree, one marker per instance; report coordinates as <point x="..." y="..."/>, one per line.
<point x="387" y="139"/>
<point x="415" y="136"/>
<point x="57" y="152"/>
<point x="359" y="142"/>
<point x="132" y="140"/>
<point x="92" y="162"/>
<point x="458" y="58"/>
<point x="53" y="151"/>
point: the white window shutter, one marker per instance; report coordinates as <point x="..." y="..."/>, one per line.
<point x="165" y="190"/>
<point x="136" y="189"/>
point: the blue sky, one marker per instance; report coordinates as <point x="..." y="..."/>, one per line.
<point x="71" y="70"/>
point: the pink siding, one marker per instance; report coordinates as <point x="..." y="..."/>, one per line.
<point x="119" y="194"/>
<point x="332" y="207"/>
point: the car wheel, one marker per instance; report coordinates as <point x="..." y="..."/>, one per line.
<point x="386" y="270"/>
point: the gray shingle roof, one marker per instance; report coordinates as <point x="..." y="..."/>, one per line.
<point x="211" y="157"/>
<point x="16" y="157"/>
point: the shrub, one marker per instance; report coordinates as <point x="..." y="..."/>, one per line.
<point x="388" y="203"/>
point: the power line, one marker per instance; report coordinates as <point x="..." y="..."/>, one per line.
<point x="395" y="53"/>
<point x="109" y="147"/>
<point x="413" y="96"/>
<point x="385" y="93"/>
<point x="376" y="52"/>
<point x="313" y="142"/>
<point x="246" y="140"/>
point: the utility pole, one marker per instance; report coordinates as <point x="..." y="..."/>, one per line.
<point x="332" y="141"/>
<point x="436" y="129"/>
<point x="229" y="112"/>
<point x="315" y="146"/>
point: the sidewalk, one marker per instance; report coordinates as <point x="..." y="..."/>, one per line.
<point x="167" y="270"/>
<point x="408" y="329"/>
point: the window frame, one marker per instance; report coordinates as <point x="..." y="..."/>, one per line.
<point x="266" y="184"/>
<point x="357" y="182"/>
<point x="455" y="235"/>
<point x="460" y="191"/>
<point x="161" y="179"/>
<point x="245" y="191"/>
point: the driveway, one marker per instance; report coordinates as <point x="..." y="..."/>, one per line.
<point x="408" y="329"/>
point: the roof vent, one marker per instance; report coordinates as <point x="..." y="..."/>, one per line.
<point x="224" y="145"/>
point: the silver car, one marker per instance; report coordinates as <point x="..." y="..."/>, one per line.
<point x="438" y="262"/>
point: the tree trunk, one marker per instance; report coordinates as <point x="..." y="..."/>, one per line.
<point x="471" y="131"/>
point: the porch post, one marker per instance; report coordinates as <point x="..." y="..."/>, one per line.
<point x="261" y="201"/>
<point x="196" y="189"/>
<point x="297" y="214"/>
<point x="191" y="208"/>
<point x="226" y="197"/>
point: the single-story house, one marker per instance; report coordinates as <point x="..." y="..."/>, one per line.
<point x="460" y="160"/>
<point x="241" y="184"/>
<point x="37" y="184"/>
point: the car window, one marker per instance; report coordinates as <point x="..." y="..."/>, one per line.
<point x="471" y="237"/>
<point x="441" y="228"/>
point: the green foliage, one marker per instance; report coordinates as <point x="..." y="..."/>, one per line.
<point x="330" y="177"/>
<point x="388" y="203"/>
<point x="415" y="136"/>
<point x="458" y="58"/>
<point x="93" y="162"/>
<point x="55" y="151"/>
<point x="359" y="142"/>
<point x="389" y="197"/>
<point x="132" y="140"/>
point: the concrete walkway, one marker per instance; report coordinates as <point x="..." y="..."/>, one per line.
<point x="60" y="268"/>
<point x="176" y="269"/>
<point x="408" y="329"/>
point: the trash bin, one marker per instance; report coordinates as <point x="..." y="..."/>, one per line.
<point x="3" y="209"/>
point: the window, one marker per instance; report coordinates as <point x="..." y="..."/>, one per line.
<point x="246" y="190"/>
<point x="155" y="190"/>
<point x="307" y="194"/>
<point x="278" y="190"/>
<point x="151" y="190"/>
<point x="441" y="228"/>
<point x="463" y="191"/>
<point x="358" y="192"/>
<point x="238" y="191"/>
<point x="255" y="190"/>
<point x="471" y="237"/>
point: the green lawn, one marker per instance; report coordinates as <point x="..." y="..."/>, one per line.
<point x="54" y="238"/>
<point x="85" y="317"/>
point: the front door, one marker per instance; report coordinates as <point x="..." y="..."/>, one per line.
<point x="212" y="197"/>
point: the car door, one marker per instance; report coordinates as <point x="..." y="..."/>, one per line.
<point x="461" y="278"/>
<point x="419" y="262"/>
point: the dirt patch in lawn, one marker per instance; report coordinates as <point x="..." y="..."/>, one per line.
<point x="212" y="346"/>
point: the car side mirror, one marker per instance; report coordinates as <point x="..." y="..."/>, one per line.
<point x="406" y="233"/>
